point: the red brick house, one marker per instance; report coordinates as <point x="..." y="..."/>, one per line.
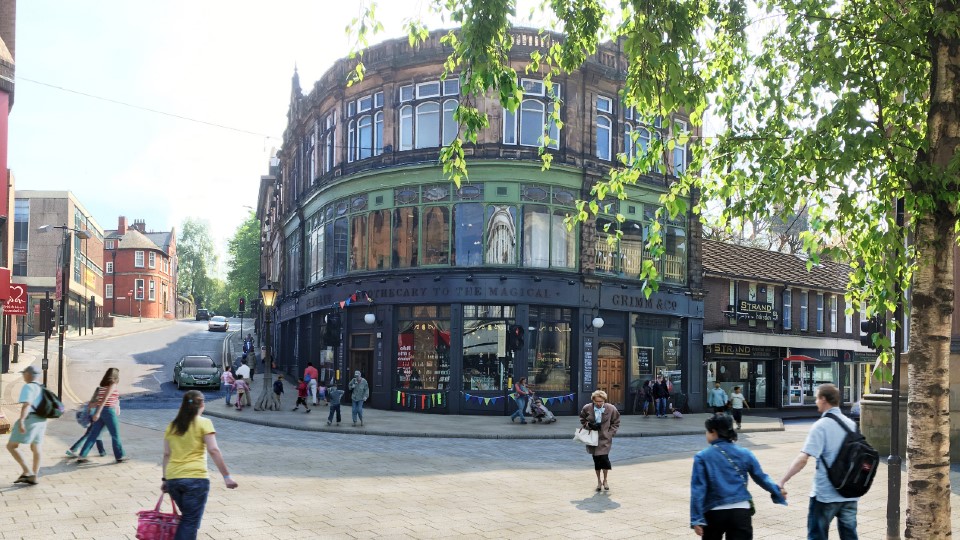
<point x="140" y="271"/>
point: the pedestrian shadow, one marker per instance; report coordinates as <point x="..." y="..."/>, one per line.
<point x="597" y="504"/>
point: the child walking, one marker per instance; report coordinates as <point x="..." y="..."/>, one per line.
<point x="302" y="390"/>
<point x="334" y="395"/>
<point x="737" y="403"/>
<point x="243" y="391"/>
<point x="278" y="387"/>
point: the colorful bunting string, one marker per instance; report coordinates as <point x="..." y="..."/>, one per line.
<point x="419" y="401"/>
<point x="354" y="298"/>
<point x="513" y="396"/>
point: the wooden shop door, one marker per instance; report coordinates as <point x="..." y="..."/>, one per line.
<point x="611" y="373"/>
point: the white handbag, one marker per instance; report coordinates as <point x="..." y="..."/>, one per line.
<point x="587" y="437"/>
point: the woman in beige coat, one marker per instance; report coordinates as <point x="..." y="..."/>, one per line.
<point x="605" y="419"/>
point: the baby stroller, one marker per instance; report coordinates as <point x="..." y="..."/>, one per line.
<point x="540" y="411"/>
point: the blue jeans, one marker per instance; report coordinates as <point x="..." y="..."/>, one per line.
<point x="661" y="404"/>
<point x="228" y="391"/>
<point x="334" y="409"/>
<point x="190" y="494"/>
<point x="821" y="514"/>
<point x="521" y="406"/>
<point x="76" y="446"/>
<point x="357" y="411"/>
<point x="108" y="418"/>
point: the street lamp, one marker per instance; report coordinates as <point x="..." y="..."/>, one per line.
<point x="63" y="290"/>
<point x="268" y="400"/>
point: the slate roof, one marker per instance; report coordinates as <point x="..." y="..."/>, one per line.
<point x="161" y="239"/>
<point x="134" y="239"/>
<point x="730" y="260"/>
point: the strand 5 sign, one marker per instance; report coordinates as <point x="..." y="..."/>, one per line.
<point x="757" y="311"/>
<point x="17" y="303"/>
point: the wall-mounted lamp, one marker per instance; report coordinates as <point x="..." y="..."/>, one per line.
<point x="503" y="278"/>
<point x="597" y="322"/>
<point x="537" y="279"/>
<point x="570" y="282"/>
<point x="406" y="279"/>
<point x="436" y="278"/>
<point x="383" y="280"/>
<point x="358" y="282"/>
<point x="469" y="277"/>
<point x="370" y="318"/>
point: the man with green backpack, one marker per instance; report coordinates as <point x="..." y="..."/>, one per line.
<point x="31" y="425"/>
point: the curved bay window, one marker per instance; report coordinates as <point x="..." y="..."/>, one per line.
<point x="436" y="225"/>
<point x="487" y="364"/>
<point x="423" y="348"/>
<point x="625" y="256"/>
<point x="548" y="349"/>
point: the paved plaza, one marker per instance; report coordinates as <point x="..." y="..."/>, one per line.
<point x="346" y="482"/>
<point x="297" y="484"/>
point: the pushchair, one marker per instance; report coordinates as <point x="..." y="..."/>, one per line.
<point x="540" y="412"/>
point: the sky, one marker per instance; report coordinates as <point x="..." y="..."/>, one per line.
<point x="220" y="62"/>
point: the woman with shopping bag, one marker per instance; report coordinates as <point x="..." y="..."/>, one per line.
<point x="188" y="440"/>
<point x="603" y="418"/>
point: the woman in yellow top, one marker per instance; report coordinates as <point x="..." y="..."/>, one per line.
<point x="188" y="440"/>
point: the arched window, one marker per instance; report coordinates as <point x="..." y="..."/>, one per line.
<point x="428" y="125"/>
<point x="450" y="126"/>
<point x="603" y="137"/>
<point x="378" y="133"/>
<point x="406" y="127"/>
<point x="628" y="144"/>
<point x="364" y="137"/>
<point x="532" y="120"/>
<point x="351" y="140"/>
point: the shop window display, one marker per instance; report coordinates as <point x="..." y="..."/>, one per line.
<point x="548" y="349"/>
<point x="423" y="348"/>
<point x="487" y="364"/>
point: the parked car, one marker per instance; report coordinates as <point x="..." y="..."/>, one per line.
<point x="196" y="370"/>
<point x="204" y="315"/>
<point x="218" y="323"/>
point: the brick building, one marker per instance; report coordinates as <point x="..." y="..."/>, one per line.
<point x="362" y="210"/>
<point x="777" y="330"/>
<point x="141" y="271"/>
<point x="8" y="323"/>
<point x="37" y="255"/>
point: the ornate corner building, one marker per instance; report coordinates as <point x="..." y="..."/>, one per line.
<point x="444" y="296"/>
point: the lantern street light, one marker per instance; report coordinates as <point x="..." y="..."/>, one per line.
<point x="63" y="290"/>
<point x="268" y="400"/>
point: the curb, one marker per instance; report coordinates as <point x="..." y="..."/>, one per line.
<point x="413" y="434"/>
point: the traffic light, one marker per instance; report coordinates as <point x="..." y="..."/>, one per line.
<point x="243" y="303"/>
<point x="871" y="326"/>
<point x="47" y="316"/>
<point x="514" y="338"/>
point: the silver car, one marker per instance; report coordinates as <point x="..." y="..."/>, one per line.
<point x="218" y="323"/>
<point x="196" y="370"/>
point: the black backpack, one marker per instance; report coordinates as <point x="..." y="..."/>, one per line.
<point x="50" y="405"/>
<point x="856" y="464"/>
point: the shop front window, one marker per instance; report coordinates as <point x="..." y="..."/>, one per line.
<point x="468" y="234"/>
<point x="358" y="242"/>
<point x="548" y="349"/>
<point x="501" y="230"/>
<point x="655" y="349"/>
<point x="379" y="227"/>
<point x="423" y="348"/>
<point x="487" y="364"/>
<point x="405" y="231"/>
<point x="436" y="235"/>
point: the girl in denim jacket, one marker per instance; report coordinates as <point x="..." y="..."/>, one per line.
<point x="719" y="501"/>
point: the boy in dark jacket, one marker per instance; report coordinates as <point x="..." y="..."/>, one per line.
<point x="334" y="395"/>
<point x="278" y="387"/>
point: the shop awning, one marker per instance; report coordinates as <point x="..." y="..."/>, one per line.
<point x="800" y="358"/>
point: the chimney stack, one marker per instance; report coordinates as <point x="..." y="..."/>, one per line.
<point x="122" y="226"/>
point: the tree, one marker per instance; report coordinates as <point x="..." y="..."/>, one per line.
<point x="197" y="258"/>
<point x="243" y="275"/>
<point x="840" y="106"/>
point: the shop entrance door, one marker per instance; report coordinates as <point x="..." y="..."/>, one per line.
<point x="611" y="372"/>
<point x="359" y="359"/>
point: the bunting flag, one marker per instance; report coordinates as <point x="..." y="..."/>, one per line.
<point x="419" y="401"/>
<point x="359" y="296"/>
<point x="513" y="396"/>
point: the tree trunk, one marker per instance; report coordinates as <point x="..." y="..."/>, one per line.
<point x="928" y="420"/>
<point x="268" y="400"/>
